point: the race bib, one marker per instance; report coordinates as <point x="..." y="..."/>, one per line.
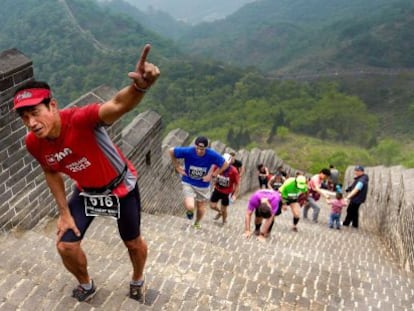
<point x="293" y="196"/>
<point x="223" y="181"/>
<point x="101" y="205"/>
<point x="196" y="172"/>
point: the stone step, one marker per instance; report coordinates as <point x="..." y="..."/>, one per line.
<point x="214" y="268"/>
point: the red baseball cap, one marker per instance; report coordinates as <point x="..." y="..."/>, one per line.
<point x="31" y="97"/>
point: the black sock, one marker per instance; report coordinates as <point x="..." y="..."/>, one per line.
<point x="257" y="226"/>
<point x="295" y="220"/>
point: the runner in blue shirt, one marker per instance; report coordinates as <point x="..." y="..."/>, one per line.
<point x="196" y="174"/>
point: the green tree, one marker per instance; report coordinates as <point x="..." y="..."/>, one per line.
<point x="282" y="132"/>
<point x="388" y="151"/>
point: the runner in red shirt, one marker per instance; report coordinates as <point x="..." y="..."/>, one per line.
<point x="74" y="141"/>
<point x="227" y="186"/>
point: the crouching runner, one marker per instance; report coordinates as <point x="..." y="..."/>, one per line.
<point x="266" y="204"/>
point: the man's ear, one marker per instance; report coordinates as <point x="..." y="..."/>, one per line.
<point x="53" y="105"/>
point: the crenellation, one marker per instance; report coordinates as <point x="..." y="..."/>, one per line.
<point x="12" y="61"/>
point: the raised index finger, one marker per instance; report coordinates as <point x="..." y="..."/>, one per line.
<point x="143" y="57"/>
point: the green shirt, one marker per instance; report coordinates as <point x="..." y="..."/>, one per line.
<point x="289" y="190"/>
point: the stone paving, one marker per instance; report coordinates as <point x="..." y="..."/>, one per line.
<point x="213" y="268"/>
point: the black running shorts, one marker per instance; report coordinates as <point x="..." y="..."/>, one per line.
<point x="217" y="196"/>
<point x="128" y="223"/>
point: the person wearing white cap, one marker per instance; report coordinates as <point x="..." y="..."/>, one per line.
<point x="226" y="186"/>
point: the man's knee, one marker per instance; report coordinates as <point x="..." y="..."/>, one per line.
<point x="189" y="202"/>
<point x="201" y="204"/>
<point x="67" y="248"/>
<point x="137" y="244"/>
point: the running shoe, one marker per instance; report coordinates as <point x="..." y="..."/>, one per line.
<point x="189" y="215"/>
<point x="137" y="292"/>
<point x="82" y="294"/>
<point x="197" y="225"/>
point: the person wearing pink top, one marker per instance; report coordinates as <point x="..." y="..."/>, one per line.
<point x="337" y="205"/>
<point x="315" y="192"/>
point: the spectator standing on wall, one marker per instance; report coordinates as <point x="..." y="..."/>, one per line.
<point x="74" y="141"/>
<point x="357" y="194"/>
<point x="197" y="174"/>
<point x="263" y="174"/>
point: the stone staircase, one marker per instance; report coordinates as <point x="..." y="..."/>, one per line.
<point x="213" y="268"/>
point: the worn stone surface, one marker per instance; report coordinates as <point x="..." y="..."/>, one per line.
<point x="214" y="268"/>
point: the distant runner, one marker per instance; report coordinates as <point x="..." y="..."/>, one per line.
<point x="226" y="187"/>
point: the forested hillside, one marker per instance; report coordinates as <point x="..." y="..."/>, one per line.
<point x="158" y="21"/>
<point x="363" y="45"/>
<point x="310" y="35"/>
<point x="77" y="45"/>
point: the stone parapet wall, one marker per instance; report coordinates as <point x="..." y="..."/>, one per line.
<point x="19" y="178"/>
<point x="389" y="209"/>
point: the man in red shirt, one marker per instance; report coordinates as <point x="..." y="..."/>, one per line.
<point x="226" y="187"/>
<point x="74" y="141"/>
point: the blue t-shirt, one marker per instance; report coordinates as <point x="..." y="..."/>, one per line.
<point x="197" y="167"/>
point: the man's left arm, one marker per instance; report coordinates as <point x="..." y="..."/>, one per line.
<point x="221" y="169"/>
<point x="354" y="191"/>
<point x="129" y="97"/>
<point x="214" y="173"/>
<point x="236" y="192"/>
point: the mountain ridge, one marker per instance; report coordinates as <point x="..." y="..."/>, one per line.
<point x="330" y="30"/>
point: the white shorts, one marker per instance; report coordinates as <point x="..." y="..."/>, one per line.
<point x="199" y="194"/>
